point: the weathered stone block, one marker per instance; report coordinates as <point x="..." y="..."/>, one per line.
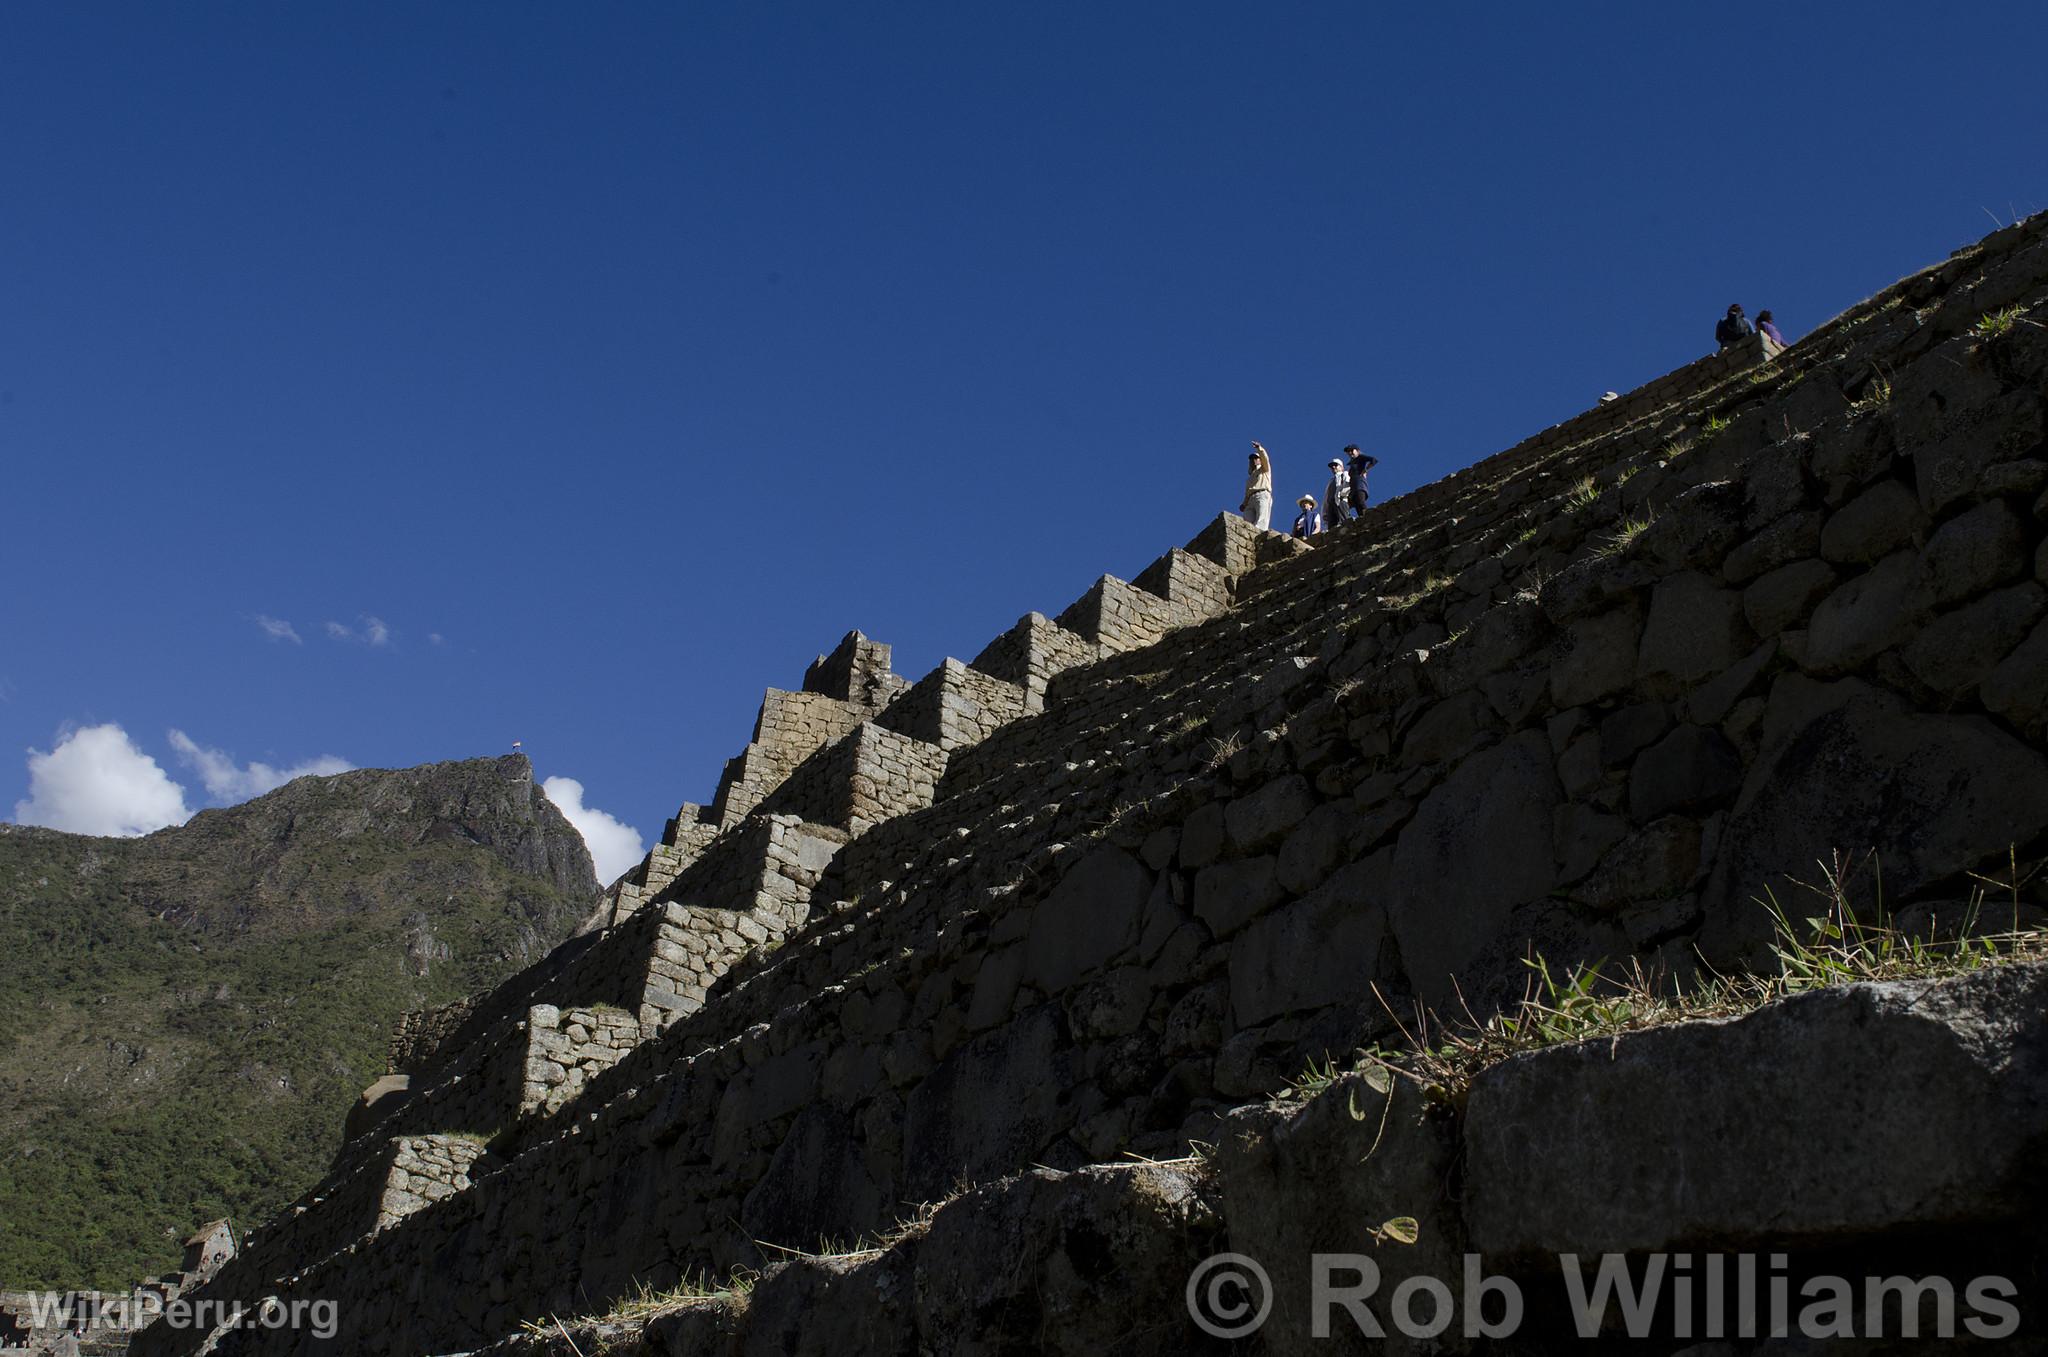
<point x="1954" y="651"/>
<point x="1320" y="950"/>
<point x="1447" y="902"/>
<point x="1090" y="917"/>
<point x="1784" y="597"/>
<point x="1230" y="894"/>
<point x="1258" y="821"/>
<point x="1695" y="630"/>
<point x="1598" y="659"/>
<point x="1728" y="1134"/>
<point x="1975" y="550"/>
<point x="1869" y="614"/>
<point x="1693" y="766"/>
<point x="1872" y="526"/>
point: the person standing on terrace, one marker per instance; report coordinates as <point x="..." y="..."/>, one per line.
<point x="1769" y="328"/>
<point x="1336" y="495"/>
<point x="1359" y="464"/>
<point x="1258" y="489"/>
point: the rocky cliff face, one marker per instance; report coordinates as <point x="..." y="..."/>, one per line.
<point x="1136" y="868"/>
<point x="190" y="1013"/>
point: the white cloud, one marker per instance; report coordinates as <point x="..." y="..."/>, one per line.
<point x="277" y="629"/>
<point x="614" y="845"/>
<point x="228" y="782"/>
<point x="375" y="631"/>
<point x="97" y="782"/>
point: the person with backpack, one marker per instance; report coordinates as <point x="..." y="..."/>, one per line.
<point x="1308" y="522"/>
<point x="1734" y="327"/>
<point x="1258" y="490"/>
<point x="1359" y="465"/>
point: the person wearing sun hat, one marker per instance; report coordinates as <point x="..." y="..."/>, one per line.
<point x="1336" y="495"/>
<point x="1308" y="522"/>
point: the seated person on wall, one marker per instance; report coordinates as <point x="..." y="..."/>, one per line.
<point x="1768" y="328"/>
<point x="1734" y="327"/>
<point x="1308" y="522"/>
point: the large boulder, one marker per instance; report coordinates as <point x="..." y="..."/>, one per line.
<point x="1090" y="916"/>
<point x="1479" y="845"/>
<point x="817" y="1186"/>
<point x="1081" y="1263"/>
<point x="1320" y="1178"/>
<point x="1835" y="1114"/>
<point x="992" y="1105"/>
<point x="1322" y="949"/>
<point x="1845" y="768"/>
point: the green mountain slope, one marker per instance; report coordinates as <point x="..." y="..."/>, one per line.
<point x="186" y="1018"/>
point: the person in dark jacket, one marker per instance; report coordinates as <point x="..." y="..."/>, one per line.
<point x="1308" y="522"/>
<point x="1769" y="329"/>
<point x="1734" y="327"/>
<point x="1359" y="464"/>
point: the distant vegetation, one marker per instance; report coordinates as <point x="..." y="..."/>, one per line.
<point x="185" y="1019"/>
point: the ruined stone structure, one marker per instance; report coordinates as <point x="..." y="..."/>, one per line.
<point x="99" y="1323"/>
<point x="1104" y="889"/>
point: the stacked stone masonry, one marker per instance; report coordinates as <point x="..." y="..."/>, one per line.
<point x="424" y="1169"/>
<point x="1588" y="697"/>
<point x="565" y="1050"/>
<point x="1119" y="616"/>
<point x="953" y="706"/>
<point x="1031" y="653"/>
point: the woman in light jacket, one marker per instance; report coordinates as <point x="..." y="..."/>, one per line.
<point x="1258" y="489"/>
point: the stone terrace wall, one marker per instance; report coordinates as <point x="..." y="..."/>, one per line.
<point x="1195" y="588"/>
<point x="752" y="888"/>
<point x="564" y="1051"/>
<point x="1030" y="653"/>
<point x="954" y="706"/>
<point x="422" y="1033"/>
<point x="1118" y="616"/>
<point x="1112" y="923"/>
<point x="425" y="1169"/>
<point x="841" y="690"/>
<point x="872" y="775"/>
<point x="1728" y="1133"/>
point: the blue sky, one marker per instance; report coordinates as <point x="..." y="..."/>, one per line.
<point x="570" y="373"/>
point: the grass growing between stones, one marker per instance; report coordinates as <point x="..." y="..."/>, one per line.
<point x="1583" y="495"/>
<point x="1624" y="536"/>
<point x="695" y="1288"/>
<point x="1875" y="397"/>
<point x="1434" y="582"/>
<point x="1997" y="324"/>
<point x="1839" y="945"/>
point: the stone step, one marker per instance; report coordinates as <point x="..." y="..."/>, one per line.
<point x="842" y="689"/>
<point x="1118" y="615"/>
<point x="954" y="706"/>
<point x="751" y="888"/>
<point x="1030" y="653"/>
<point x="871" y="775"/>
